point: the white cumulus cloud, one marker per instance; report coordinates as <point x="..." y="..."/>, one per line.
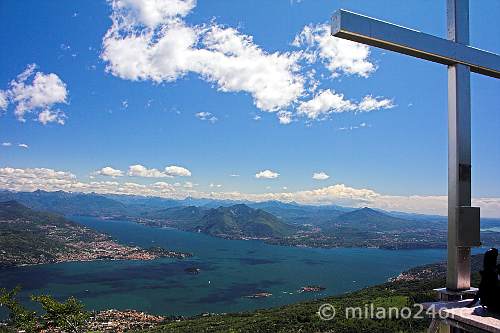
<point x="320" y="176"/>
<point x="267" y="174"/>
<point x="3" y="100"/>
<point x="178" y="171"/>
<point x="163" y="187"/>
<point x="370" y="103"/>
<point x="285" y="117"/>
<point x="152" y="13"/>
<point x="110" y="172"/>
<point x="151" y="41"/>
<point x="138" y="170"/>
<point x="206" y="116"/>
<point x="338" y="55"/>
<point x="36" y="92"/>
<point x="50" y="116"/>
<point x="324" y="103"/>
<point x="23" y="145"/>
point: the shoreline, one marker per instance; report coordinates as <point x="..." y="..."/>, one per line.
<point x="107" y="250"/>
<point x="285" y="299"/>
<point x="81" y="261"/>
<point x="274" y="241"/>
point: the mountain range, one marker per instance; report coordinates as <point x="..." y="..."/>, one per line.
<point x="240" y="221"/>
<point x="236" y="221"/>
<point x="66" y="203"/>
<point x="374" y="220"/>
<point x="277" y="222"/>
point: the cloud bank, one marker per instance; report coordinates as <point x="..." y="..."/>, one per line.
<point x="30" y="179"/>
<point x="138" y="170"/>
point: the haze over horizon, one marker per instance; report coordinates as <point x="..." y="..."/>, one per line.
<point x="236" y="100"/>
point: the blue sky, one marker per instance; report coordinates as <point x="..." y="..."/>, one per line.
<point x="163" y="108"/>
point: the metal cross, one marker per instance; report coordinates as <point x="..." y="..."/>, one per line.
<point x="461" y="59"/>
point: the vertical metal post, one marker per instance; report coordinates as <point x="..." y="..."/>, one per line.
<point x="459" y="146"/>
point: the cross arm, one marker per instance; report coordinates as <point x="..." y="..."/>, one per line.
<point x="396" y="38"/>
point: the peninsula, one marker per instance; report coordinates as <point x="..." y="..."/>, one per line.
<point x="29" y="237"/>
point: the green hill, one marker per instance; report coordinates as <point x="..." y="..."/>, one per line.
<point x="29" y="237"/>
<point x="184" y="218"/>
<point x="235" y="222"/>
<point x="296" y="214"/>
<point x="368" y="219"/>
<point x="240" y="221"/>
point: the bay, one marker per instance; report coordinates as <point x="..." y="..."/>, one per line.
<point x="230" y="270"/>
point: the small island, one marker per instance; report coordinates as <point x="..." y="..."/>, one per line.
<point x="260" y="295"/>
<point x="311" y="289"/>
<point x="192" y="270"/>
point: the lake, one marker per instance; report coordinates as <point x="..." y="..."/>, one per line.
<point x="493" y="229"/>
<point x="230" y="270"/>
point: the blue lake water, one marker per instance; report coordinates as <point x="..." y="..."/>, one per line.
<point x="230" y="270"/>
<point x="493" y="229"/>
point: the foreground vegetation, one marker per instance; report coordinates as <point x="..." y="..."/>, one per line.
<point x="300" y="317"/>
<point x="68" y="316"/>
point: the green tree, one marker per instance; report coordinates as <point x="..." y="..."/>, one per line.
<point x="69" y="316"/>
<point x="20" y="317"/>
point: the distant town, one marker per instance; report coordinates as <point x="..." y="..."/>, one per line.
<point x="31" y="238"/>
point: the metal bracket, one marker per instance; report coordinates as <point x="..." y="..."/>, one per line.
<point x="468" y="226"/>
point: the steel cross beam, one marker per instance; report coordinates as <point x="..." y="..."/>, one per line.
<point x="373" y="32"/>
<point x="461" y="59"/>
